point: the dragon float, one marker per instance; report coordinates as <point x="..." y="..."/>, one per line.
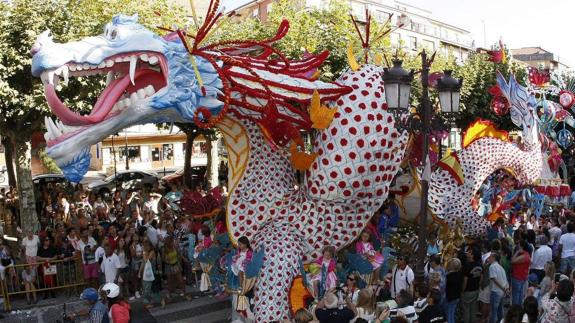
<point x="260" y="105"/>
<point x="485" y="150"/>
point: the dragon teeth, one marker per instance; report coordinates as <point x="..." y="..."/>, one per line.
<point x="133" y="63"/>
<point x="153" y="60"/>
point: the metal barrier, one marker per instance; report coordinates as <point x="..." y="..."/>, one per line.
<point x="49" y="276"/>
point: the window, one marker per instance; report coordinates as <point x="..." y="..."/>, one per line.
<point x="429" y="45"/>
<point x="381" y="16"/>
<point x="168" y="151"/>
<point x="395" y="38"/>
<point x="412" y="42"/>
<point x="156" y="154"/>
<point x="136" y="176"/>
<point x="133" y="152"/>
<point x="269" y="8"/>
<point x="256" y="13"/>
<point x="358" y="11"/>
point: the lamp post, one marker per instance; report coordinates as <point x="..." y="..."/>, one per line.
<point x="397" y="85"/>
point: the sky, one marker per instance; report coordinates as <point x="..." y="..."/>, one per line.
<point x="523" y="23"/>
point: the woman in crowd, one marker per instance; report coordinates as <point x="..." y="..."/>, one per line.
<point x="365" y="307"/>
<point x="124" y="270"/>
<point x="351" y="288"/>
<point x="149" y="273"/>
<point x="453" y="287"/>
<point x="136" y="258"/>
<point x="172" y="267"/>
<point x="119" y="309"/>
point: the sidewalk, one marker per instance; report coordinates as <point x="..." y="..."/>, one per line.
<point x="202" y="308"/>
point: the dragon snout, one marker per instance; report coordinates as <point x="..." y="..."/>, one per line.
<point x="43" y="38"/>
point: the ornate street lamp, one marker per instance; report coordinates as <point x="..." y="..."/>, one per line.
<point x="397" y="89"/>
<point x="397" y="85"/>
<point x="448" y="88"/>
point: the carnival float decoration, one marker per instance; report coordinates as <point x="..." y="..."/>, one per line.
<point x="486" y="150"/>
<point x="260" y="101"/>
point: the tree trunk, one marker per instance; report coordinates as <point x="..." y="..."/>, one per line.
<point x="28" y="216"/>
<point x="209" y="156"/>
<point x="9" y="155"/>
<point x="187" y="178"/>
<point x="213" y="162"/>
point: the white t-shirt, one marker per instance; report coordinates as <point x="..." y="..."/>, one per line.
<point x="568" y="242"/>
<point x="401" y="279"/>
<point x="496" y="272"/>
<point x="110" y="266"/>
<point x="541" y="256"/>
<point x="31" y="245"/>
<point x="88" y="256"/>
<point x="100" y="253"/>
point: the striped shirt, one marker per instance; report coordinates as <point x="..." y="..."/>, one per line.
<point x="408" y="311"/>
<point x="97" y="313"/>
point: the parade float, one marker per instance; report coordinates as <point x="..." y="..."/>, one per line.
<point x="259" y="104"/>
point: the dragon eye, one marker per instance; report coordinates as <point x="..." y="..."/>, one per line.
<point x="114" y="34"/>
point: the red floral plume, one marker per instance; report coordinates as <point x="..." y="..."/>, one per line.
<point x="499" y="103"/>
<point x="249" y="60"/>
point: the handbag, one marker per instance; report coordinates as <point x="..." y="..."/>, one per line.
<point x="148" y="272"/>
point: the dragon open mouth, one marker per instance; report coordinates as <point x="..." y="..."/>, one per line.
<point x="131" y="78"/>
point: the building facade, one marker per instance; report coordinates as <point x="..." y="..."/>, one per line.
<point x="147" y="147"/>
<point x="420" y="29"/>
<point x="539" y="58"/>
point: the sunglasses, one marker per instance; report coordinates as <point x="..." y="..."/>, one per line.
<point x="350" y="278"/>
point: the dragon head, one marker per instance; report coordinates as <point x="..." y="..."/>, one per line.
<point x="523" y="107"/>
<point x="149" y="79"/>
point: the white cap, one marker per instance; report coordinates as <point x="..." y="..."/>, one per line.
<point x="112" y="290"/>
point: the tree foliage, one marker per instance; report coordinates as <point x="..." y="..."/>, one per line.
<point x="22" y="103"/>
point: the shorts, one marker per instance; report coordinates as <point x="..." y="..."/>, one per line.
<point x="91" y="271"/>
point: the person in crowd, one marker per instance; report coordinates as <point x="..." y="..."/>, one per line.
<point x="97" y="312"/>
<point x="29" y="281"/>
<point x="30" y="244"/>
<point x="453" y="287"/>
<point x="472" y="272"/>
<point x="432" y="312"/>
<point x="136" y="258"/>
<point x="364" y="247"/>
<point x="432" y="245"/>
<point x="420" y="302"/>
<point x="303" y="316"/>
<point x="351" y="288"/>
<point x="46" y="254"/>
<point x="514" y="314"/>
<point x="365" y="307"/>
<point x="499" y="287"/>
<point x="110" y="266"/>
<point x="87" y="247"/>
<point x="328" y="309"/>
<point x="122" y="252"/>
<point x="172" y="267"/>
<point x="149" y="274"/>
<point x="531" y="310"/>
<point x="567" y="249"/>
<point x="556" y="304"/>
<point x="325" y="279"/>
<point x="542" y="255"/>
<point x="404" y="307"/>
<point x="402" y="276"/>
<point x="547" y="282"/>
<point x="119" y="309"/>
<point x="520" y="271"/>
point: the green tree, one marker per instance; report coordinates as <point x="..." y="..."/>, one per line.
<point x="22" y="103"/>
<point x="479" y="74"/>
